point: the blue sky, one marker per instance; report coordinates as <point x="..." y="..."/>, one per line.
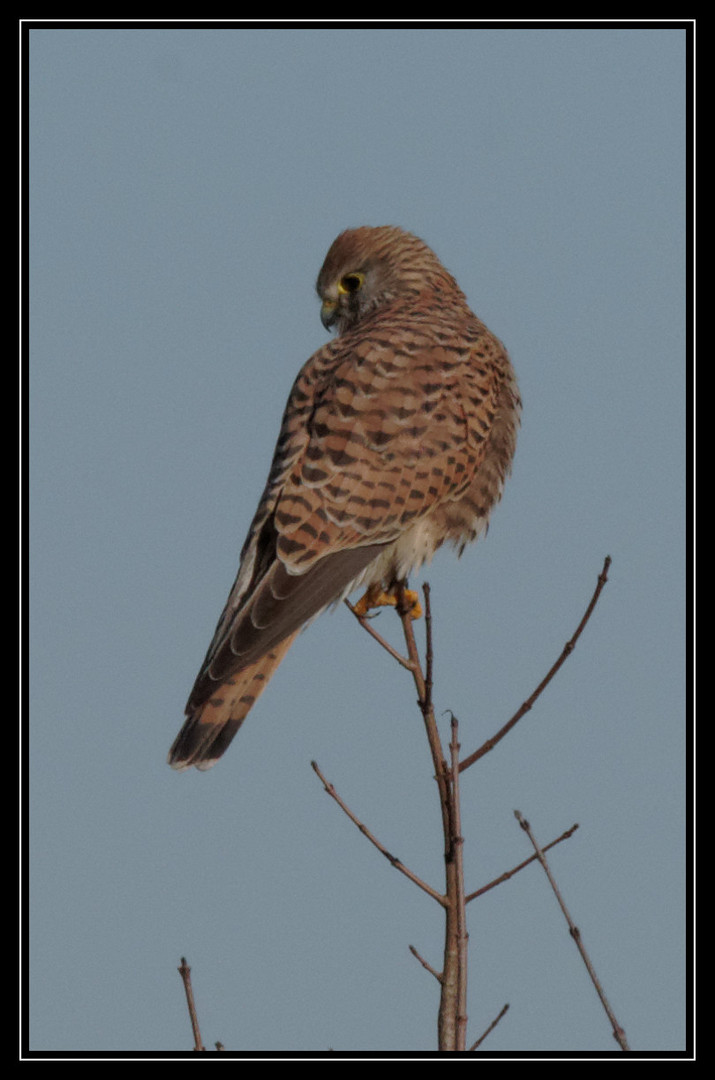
<point x="185" y="185"/>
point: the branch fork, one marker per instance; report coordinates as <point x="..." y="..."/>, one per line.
<point x="452" y="1021"/>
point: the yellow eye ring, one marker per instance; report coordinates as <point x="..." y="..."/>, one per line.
<point x="350" y="283"/>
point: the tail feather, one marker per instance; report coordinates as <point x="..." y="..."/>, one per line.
<point x="209" y="728"/>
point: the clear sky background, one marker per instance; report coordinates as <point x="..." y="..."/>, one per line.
<point x="185" y="186"/>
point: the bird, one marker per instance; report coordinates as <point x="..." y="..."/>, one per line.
<point x="397" y="437"/>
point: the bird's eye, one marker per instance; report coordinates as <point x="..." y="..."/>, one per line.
<point x="350" y="283"/>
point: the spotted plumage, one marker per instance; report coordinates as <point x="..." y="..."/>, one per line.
<point x="397" y="436"/>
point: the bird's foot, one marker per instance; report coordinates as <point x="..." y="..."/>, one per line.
<point x="376" y="596"/>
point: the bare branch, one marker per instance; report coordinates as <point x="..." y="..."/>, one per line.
<point x="515" y="870"/>
<point x="365" y="623"/>
<point x="429" y="655"/>
<point x="373" y="840"/>
<point x="491" y="1027"/>
<point x="618" y="1033"/>
<point x="185" y="972"/>
<point x="424" y="700"/>
<point x="457" y="841"/>
<point x="415" y="665"/>
<point x="450" y="1022"/>
<point x="566" y="652"/>
<point x="424" y="963"/>
<point x="453" y="978"/>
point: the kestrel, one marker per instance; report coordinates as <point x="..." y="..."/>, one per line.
<point x="397" y="436"/>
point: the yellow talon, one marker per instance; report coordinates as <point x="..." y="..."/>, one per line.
<point x="377" y="597"/>
<point x="413" y="599"/>
<point x="374" y="597"/>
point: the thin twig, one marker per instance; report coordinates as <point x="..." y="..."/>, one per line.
<point x="415" y="664"/>
<point x="618" y="1033"/>
<point x="185" y="972"/>
<point x="491" y="1027"/>
<point x="429" y="655"/>
<point x="566" y="652"/>
<point x="373" y="840"/>
<point x="424" y="700"/>
<point x="515" y="870"/>
<point x="365" y="623"/>
<point x="424" y="963"/>
<point x="458" y="847"/>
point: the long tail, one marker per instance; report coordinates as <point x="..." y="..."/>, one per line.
<point x="208" y="730"/>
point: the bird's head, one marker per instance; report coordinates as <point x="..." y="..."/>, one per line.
<point x="366" y="268"/>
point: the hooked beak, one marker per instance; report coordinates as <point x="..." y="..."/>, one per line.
<point x="329" y="313"/>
